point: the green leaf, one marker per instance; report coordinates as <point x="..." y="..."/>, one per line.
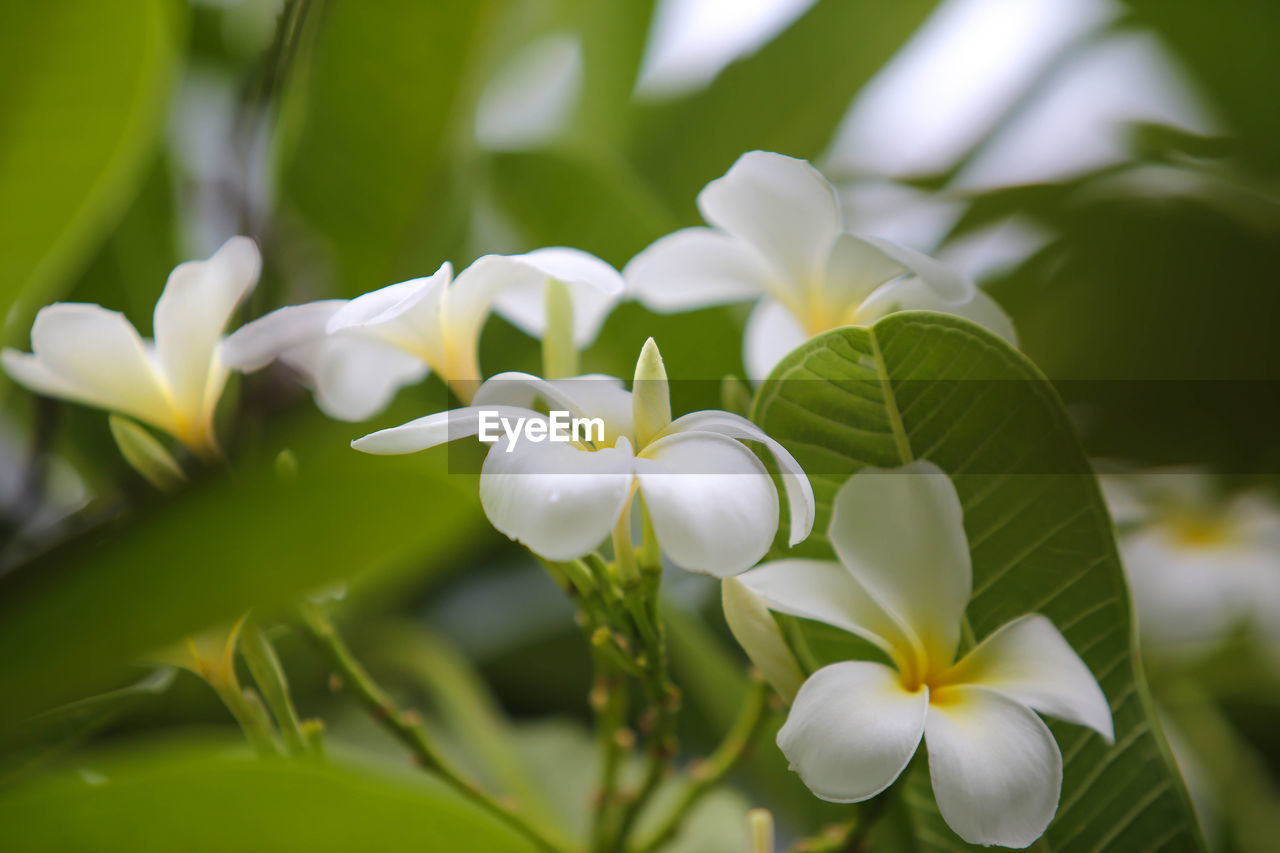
<point x="85" y="85"/>
<point x="225" y="545"/>
<point x="372" y="122"/>
<point x="200" y="798"/>
<point x="788" y="97"/>
<point x="65" y="727"/>
<point x="923" y="385"/>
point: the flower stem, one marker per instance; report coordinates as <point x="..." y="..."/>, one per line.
<point x="705" y="775"/>
<point x="408" y="728"/>
<point x="270" y="677"/>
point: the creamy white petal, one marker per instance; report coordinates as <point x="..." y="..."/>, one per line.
<point x="781" y="206"/>
<point x="407" y="313"/>
<point x="949" y="284"/>
<point x="469" y="300"/>
<point x="558" y="500"/>
<point x="1030" y="661"/>
<point x="995" y="768"/>
<point x="755" y="629"/>
<point x="713" y="505"/>
<point x="31" y="373"/>
<point x="799" y="491"/>
<point x="855" y="268"/>
<point x="356" y="377"/>
<point x="431" y="430"/>
<point x="192" y="313"/>
<point x="852" y="730"/>
<point x="594" y="288"/>
<point x="592" y="396"/>
<point x="823" y="590"/>
<point x="772" y="332"/>
<point x="694" y="268"/>
<point x="259" y="342"/>
<point x="99" y="354"/>
<point x="900" y="532"/>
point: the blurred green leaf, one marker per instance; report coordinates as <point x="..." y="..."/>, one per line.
<point x="200" y="798"/>
<point x="85" y="85"/>
<point x="788" y="97"/>
<point x="372" y="124"/>
<point x="225" y="545"/>
<point x="65" y="727"/>
<point x="929" y="386"/>
<point x="1231" y="55"/>
<point x="614" y="36"/>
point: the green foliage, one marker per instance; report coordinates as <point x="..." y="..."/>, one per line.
<point x="84" y="85"/>
<point x="229" y="543"/>
<point x="198" y="797"/>
<point x="925" y="386"/>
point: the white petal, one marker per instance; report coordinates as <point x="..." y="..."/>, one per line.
<point x="582" y="396"/>
<point x="558" y="500"/>
<point x="755" y="629"/>
<point x="794" y="480"/>
<point x="852" y="730"/>
<point x="99" y="359"/>
<point x="772" y="333"/>
<point x="1030" y="661"/>
<point x="713" y="505"/>
<point x="190" y="316"/>
<point x="823" y="590"/>
<point x="694" y="268"/>
<point x="256" y="344"/>
<point x="427" y="432"/>
<point x="855" y="268"/>
<point x="901" y="533"/>
<point x="407" y="314"/>
<point x="988" y="314"/>
<point x="948" y="284"/>
<point x="781" y="206"/>
<point x="594" y="288"/>
<point x="995" y="767"/>
<point x="356" y="377"/>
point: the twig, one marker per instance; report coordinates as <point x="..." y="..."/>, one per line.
<point x="407" y="727"/>
<point x="707" y="774"/>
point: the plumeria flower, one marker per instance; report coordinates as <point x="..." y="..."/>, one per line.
<point x="778" y="237"/>
<point x="1201" y="564"/>
<point x="902" y="582"/>
<point x="713" y="506"/>
<point x="87" y="354"/>
<point x="357" y="353"/>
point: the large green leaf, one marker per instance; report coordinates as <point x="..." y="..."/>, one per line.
<point x="927" y="386"/>
<point x="253" y="539"/>
<point x="788" y="97"/>
<point x="195" y="798"/>
<point x="383" y="101"/>
<point x="84" y="84"/>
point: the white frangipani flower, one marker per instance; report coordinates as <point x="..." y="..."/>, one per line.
<point x="713" y="505"/>
<point x="778" y="236"/>
<point x="1201" y="565"/>
<point x="358" y="353"/>
<point x="87" y="354"/>
<point x="902" y="582"/>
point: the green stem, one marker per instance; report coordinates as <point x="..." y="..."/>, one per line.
<point x="253" y="723"/>
<point x="270" y="678"/>
<point x="609" y="700"/>
<point x="706" y="775"/>
<point x="409" y="730"/>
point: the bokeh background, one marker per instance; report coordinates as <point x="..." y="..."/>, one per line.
<point x="1109" y="170"/>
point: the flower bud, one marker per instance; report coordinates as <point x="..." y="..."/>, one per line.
<point x="650" y="395"/>
<point x="146" y="455"/>
<point x="756" y="631"/>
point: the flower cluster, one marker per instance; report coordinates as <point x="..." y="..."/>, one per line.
<point x="707" y="502"/>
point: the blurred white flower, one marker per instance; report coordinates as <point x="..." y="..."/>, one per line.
<point x="902" y="582"/>
<point x="779" y="237"/>
<point x="356" y="354"/>
<point x="713" y="505"/>
<point x="87" y="354"/>
<point x="1200" y="565"/>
